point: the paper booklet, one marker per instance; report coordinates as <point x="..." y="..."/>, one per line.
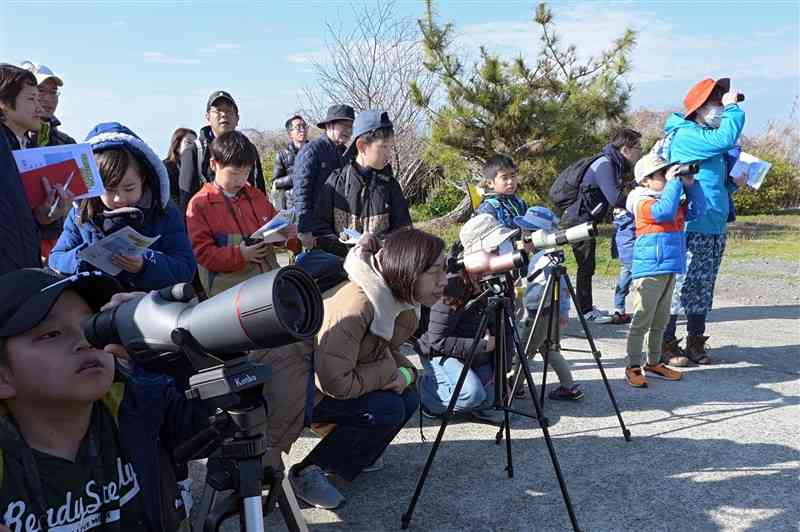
<point x="127" y="241"/>
<point x="349" y="237"/>
<point x="755" y="168"/>
<point x="70" y="165"/>
<point x="269" y="232"/>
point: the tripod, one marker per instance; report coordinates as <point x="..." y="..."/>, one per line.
<point x="552" y="295"/>
<point x="498" y="294"/>
<point x="236" y="437"/>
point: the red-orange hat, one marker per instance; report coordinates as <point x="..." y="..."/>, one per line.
<point x="698" y="94"/>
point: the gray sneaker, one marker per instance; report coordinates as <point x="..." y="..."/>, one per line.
<point x="488" y="415"/>
<point x="313" y="488"/>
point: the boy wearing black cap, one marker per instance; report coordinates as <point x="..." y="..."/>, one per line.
<point x="80" y="449"/>
<point x="222" y="115"/>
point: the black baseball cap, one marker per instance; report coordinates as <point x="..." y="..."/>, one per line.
<point x="221" y="95"/>
<point x="26" y="296"/>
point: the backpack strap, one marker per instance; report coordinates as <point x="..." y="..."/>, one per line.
<point x="201" y="153"/>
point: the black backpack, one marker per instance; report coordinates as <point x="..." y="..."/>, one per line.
<point x="564" y="190"/>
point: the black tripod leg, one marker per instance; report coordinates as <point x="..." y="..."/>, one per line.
<point x="553" y="294"/>
<point x="507" y="344"/>
<point x="281" y="487"/>
<point x="406" y="519"/>
<point x="543" y="424"/>
<point x="596" y="354"/>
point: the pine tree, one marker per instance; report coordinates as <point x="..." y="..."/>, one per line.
<point x="544" y="114"/>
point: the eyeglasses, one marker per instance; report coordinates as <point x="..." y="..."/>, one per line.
<point x="222" y="111"/>
<point x="300" y="127"/>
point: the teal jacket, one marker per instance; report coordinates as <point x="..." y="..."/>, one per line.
<point x="692" y="142"/>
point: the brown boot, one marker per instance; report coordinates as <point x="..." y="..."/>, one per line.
<point x="696" y="350"/>
<point x="672" y="354"/>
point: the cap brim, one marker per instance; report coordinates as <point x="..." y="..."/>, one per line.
<point x="218" y="98"/>
<point x="498" y="235"/>
<point x="42" y="79"/>
<point x="95" y="289"/>
<point x="653" y="171"/>
<point x="321" y="125"/>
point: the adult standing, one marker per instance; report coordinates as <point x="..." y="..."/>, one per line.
<point x="182" y="139"/>
<point x="49" y="85"/>
<point x="708" y="130"/>
<point x="20" y="113"/>
<point x="601" y="189"/>
<point x="222" y="115"/>
<point x="315" y="163"/>
<point x="282" y="175"/>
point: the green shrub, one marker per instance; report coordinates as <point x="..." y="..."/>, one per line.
<point x="781" y="188"/>
<point x="442" y="200"/>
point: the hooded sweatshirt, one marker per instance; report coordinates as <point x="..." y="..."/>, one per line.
<point x="170" y="259"/>
<point x="357" y="349"/>
<point x="694" y="142"/>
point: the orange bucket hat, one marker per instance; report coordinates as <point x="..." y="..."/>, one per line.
<point x="698" y="94"/>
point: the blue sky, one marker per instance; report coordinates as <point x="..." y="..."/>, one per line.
<point x="152" y="64"/>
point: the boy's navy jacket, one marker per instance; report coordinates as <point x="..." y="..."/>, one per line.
<point x="660" y="239"/>
<point x="153" y="419"/>
<point x="169" y="260"/>
<point x="624" y="236"/>
<point x="19" y="232"/>
<point x="503" y="208"/>
<point x="314" y="164"/>
<point x="709" y="146"/>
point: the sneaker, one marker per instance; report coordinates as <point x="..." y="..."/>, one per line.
<point x="566" y="393"/>
<point x="663" y="372"/>
<point x="635" y="377"/>
<point x="312" y="487"/>
<point x="377" y="465"/>
<point x="595" y="316"/>
<point x="488" y="415"/>
<point x="620" y="318"/>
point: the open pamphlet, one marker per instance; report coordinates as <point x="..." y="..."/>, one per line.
<point x="755" y="168"/>
<point x="349" y="237"/>
<point x="271" y="231"/>
<point x="127" y="241"/>
<point x="70" y="165"/>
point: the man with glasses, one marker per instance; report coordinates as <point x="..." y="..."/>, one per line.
<point x="282" y="176"/>
<point x="49" y="85"/>
<point x="601" y="189"/>
<point x="222" y="115"/>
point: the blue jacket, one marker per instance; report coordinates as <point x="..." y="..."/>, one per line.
<point x="503" y="208"/>
<point x="660" y="246"/>
<point x="601" y="184"/>
<point x="153" y="419"/>
<point x="693" y="142"/>
<point x="624" y="236"/>
<point x="315" y="162"/>
<point x="170" y="260"/>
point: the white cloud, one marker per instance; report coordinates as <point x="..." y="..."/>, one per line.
<point x="221" y="47"/>
<point x="663" y="51"/>
<point x="311" y="56"/>
<point x="160" y="57"/>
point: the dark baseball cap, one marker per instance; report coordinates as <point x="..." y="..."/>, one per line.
<point x="28" y="295"/>
<point x="220" y="95"/>
<point x="367" y="122"/>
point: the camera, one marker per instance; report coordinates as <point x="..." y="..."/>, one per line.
<point x="687" y="169"/>
<point x="273" y="309"/>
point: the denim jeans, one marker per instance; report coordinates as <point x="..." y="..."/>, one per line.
<point x="437" y="385"/>
<point x="325" y="268"/>
<point x="623" y="287"/>
<point x="365" y="426"/>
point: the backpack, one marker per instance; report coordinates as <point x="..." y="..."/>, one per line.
<point x="564" y="190"/>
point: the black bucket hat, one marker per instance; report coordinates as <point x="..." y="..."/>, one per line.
<point x="26" y="296"/>
<point x="337" y="112"/>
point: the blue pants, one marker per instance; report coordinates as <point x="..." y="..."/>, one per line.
<point x="365" y="426"/>
<point x="436" y="386"/>
<point x="623" y="287"/>
<point x="326" y="268"/>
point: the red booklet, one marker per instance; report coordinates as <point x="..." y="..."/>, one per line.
<point x="56" y="174"/>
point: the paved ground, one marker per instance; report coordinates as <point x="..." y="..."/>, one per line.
<point x="717" y="451"/>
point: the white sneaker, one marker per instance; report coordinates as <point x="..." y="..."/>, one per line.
<point x="595" y="316"/>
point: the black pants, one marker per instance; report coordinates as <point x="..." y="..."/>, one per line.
<point x="584" y="255"/>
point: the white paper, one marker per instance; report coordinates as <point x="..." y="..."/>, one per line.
<point x="349" y="237"/>
<point x="127" y="241"/>
<point x="755" y="168"/>
<point x="34" y="158"/>
<point x="269" y="232"/>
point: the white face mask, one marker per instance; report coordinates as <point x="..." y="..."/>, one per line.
<point x="712" y="115"/>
